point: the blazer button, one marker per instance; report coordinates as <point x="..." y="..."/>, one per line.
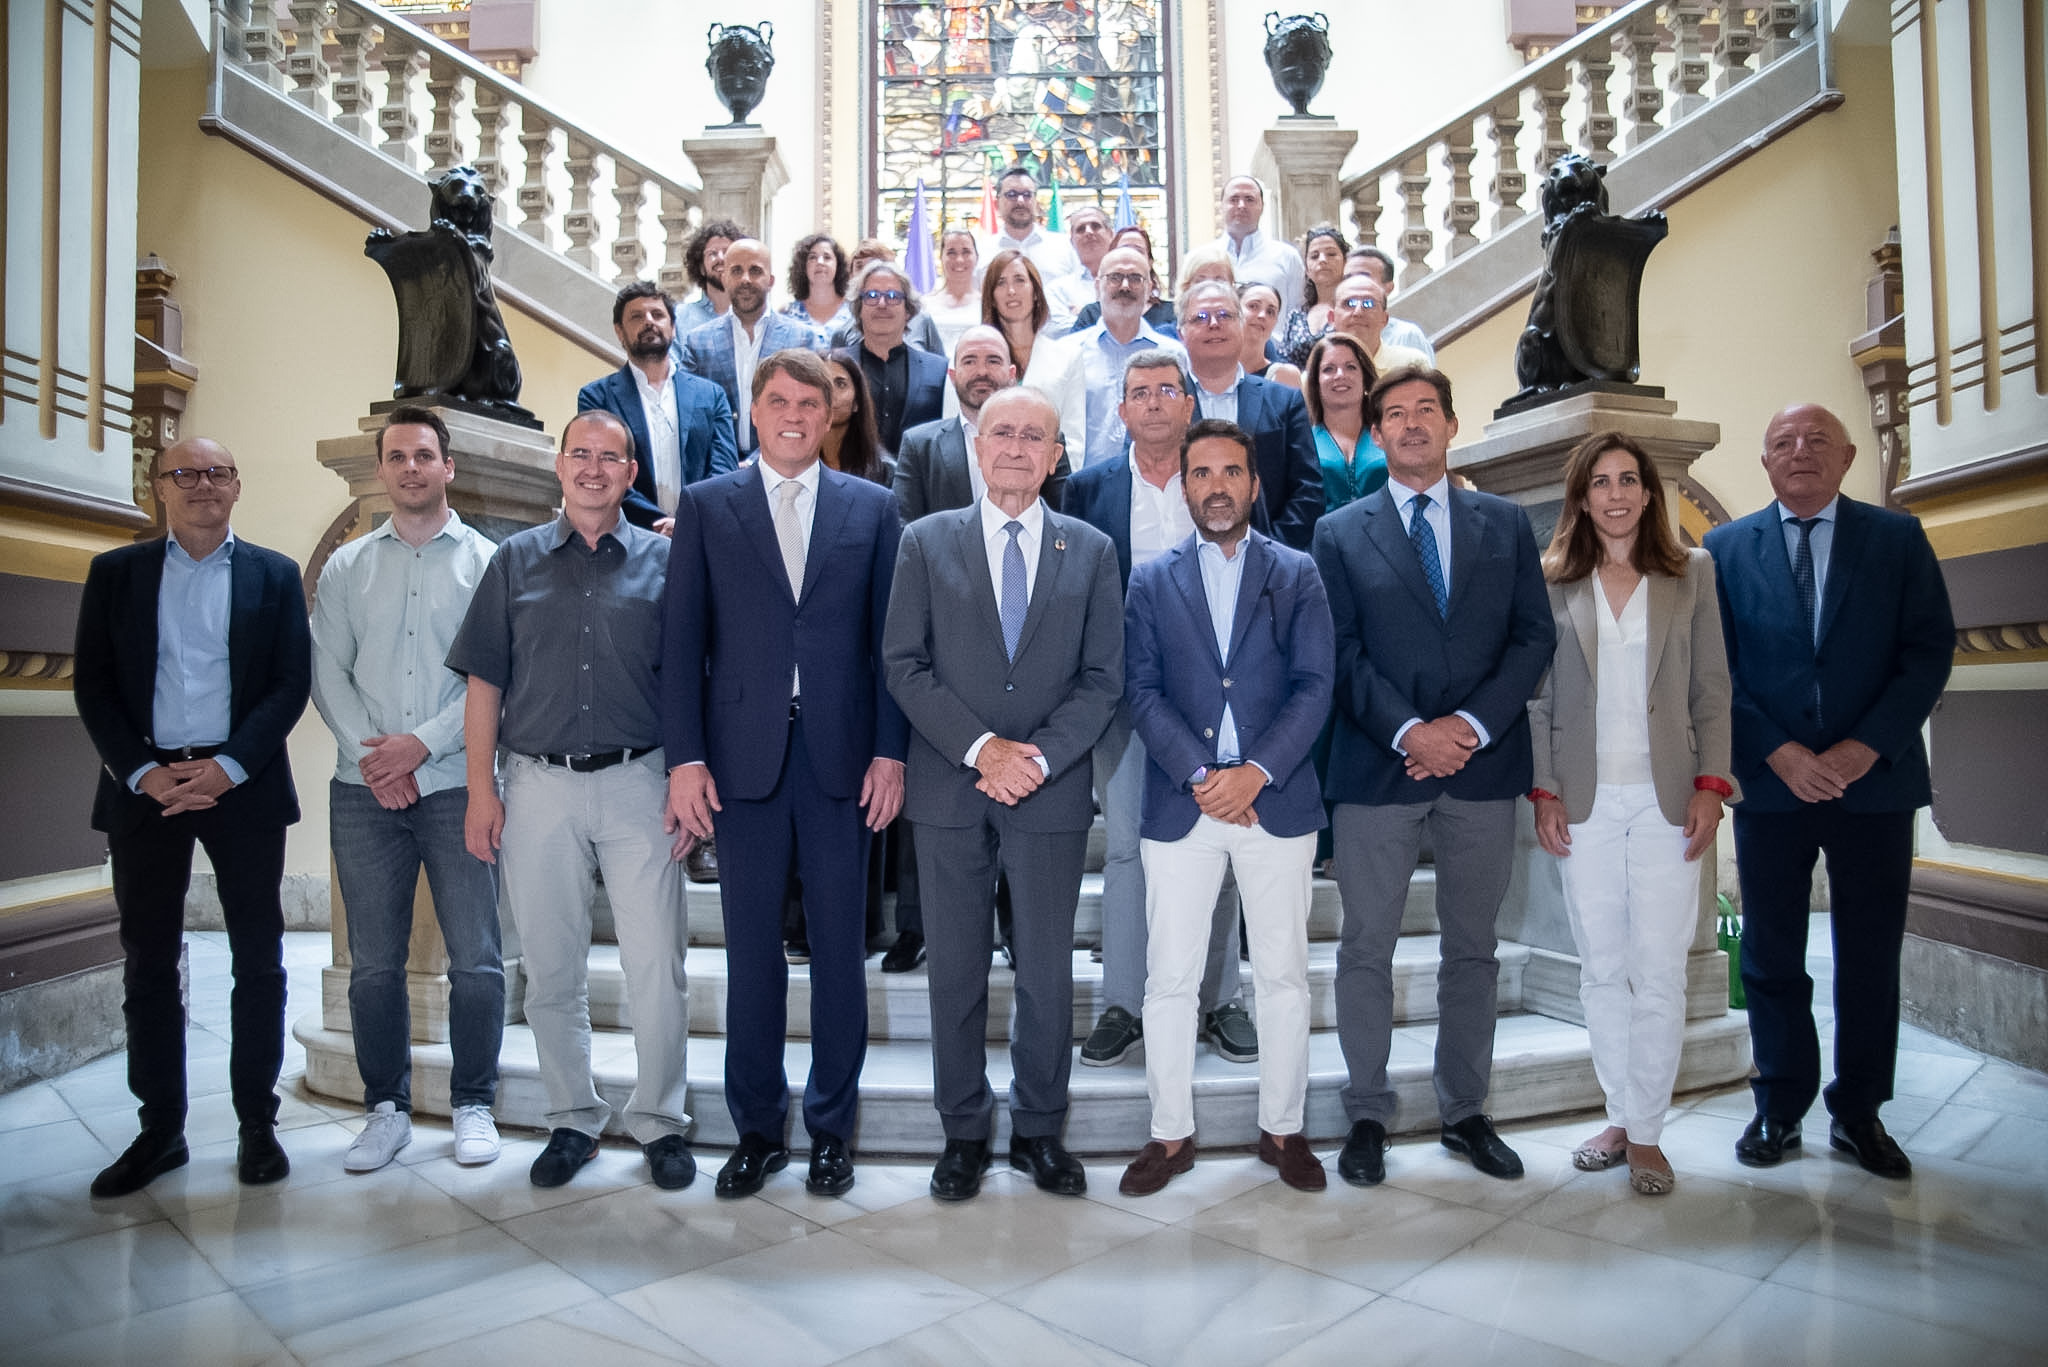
<point x="1226" y="683"/>
<point x="1009" y="688"/>
<point x="1208" y="733"/>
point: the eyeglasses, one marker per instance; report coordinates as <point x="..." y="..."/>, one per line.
<point x="1020" y="196"/>
<point x="1030" y="436"/>
<point x="219" y="476"/>
<point x="1167" y="393"/>
<point x="610" y="460"/>
<point x="1126" y="278"/>
<point x="1211" y="318"/>
<point x="1358" y="305"/>
<point x="882" y="296"/>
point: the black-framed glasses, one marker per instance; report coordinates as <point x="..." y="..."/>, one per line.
<point x="882" y="296"/>
<point x="1126" y="278"/>
<point x="219" y="476"/>
<point x="1020" y="196"/>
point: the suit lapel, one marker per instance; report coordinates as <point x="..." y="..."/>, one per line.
<point x="1467" y="546"/>
<point x="749" y="503"/>
<point x="1052" y="558"/>
<point x="1777" y="563"/>
<point x="956" y="484"/>
<point x="1383" y="528"/>
<point x="974" y="551"/>
<point x="1186" y="573"/>
<point x="245" y="601"/>
<point x="1842" y="558"/>
<point x="1663" y="607"/>
<point x="828" y="519"/>
<point x="1582" y="600"/>
<point x="1258" y="567"/>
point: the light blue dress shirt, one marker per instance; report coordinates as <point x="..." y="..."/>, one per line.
<point x="194" y="697"/>
<point x="1822" y="539"/>
<point x="1103" y="358"/>
<point x="1222" y="577"/>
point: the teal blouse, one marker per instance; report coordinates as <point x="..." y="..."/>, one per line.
<point x="1345" y="481"/>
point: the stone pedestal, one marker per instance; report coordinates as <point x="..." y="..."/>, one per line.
<point x="1522" y="457"/>
<point x="741" y="171"/>
<point x="1301" y="160"/>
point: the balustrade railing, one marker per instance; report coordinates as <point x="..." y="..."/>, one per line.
<point x="429" y="106"/>
<point x="1661" y="59"/>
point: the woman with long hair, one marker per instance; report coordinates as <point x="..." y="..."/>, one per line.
<point x="1323" y="250"/>
<point x="955" y="305"/>
<point x="818" y="272"/>
<point x="1631" y="745"/>
<point x="1335" y="383"/>
<point x="853" y="443"/>
<point x="1259" y="305"/>
<point x="1013" y="302"/>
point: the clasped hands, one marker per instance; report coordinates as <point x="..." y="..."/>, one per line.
<point x="1440" y="748"/>
<point x="1009" y="770"/>
<point x="1821" y="777"/>
<point x="1228" y="794"/>
<point x="186" y="785"/>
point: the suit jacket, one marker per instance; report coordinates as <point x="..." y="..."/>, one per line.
<point x="733" y="631"/>
<point x="270" y="676"/>
<point x="1290" y="473"/>
<point x="947" y="668"/>
<point x="707" y="351"/>
<point x="1881" y="660"/>
<point x="1688" y="686"/>
<point x="1398" y="659"/>
<point x="1276" y="680"/>
<point x="923" y="401"/>
<point x="1100" y="495"/>
<point x="931" y="471"/>
<point x="709" y="446"/>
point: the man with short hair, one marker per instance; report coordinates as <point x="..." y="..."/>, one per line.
<point x="1088" y="229"/>
<point x="561" y="649"/>
<point x="682" y="425"/>
<point x="1443" y="630"/>
<point x="1059" y="267"/>
<point x="704" y="263"/>
<point x="1253" y="255"/>
<point x="1370" y="260"/>
<point x="1840" y="638"/>
<point x="1290" y="475"/>
<point x="1123" y="284"/>
<point x="726" y="350"/>
<point x="1139" y="504"/>
<point x="1004" y="648"/>
<point x="1358" y="306"/>
<point x="906" y="383"/>
<point x="192" y="666"/>
<point x="387" y="610"/>
<point x="1228" y="666"/>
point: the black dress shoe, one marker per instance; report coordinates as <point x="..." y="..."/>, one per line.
<point x="831" y="1166"/>
<point x="1050" y="1165"/>
<point x="1474" y="1138"/>
<point x="1873" y="1149"/>
<point x="1363" y="1160"/>
<point x="907" y="953"/>
<point x="958" y="1173"/>
<point x="567" y="1151"/>
<point x="261" y="1159"/>
<point x="1764" y="1143"/>
<point x="700" y="865"/>
<point x="748" y="1168"/>
<point x="153" y="1154"/>
<point x="671" y="1161"/>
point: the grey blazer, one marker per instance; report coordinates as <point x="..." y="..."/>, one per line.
<point x="1689" y="690"/>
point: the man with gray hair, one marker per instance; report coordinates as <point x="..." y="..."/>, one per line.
<point x="1124" y="286"/>
<point x="1370" y="261"/>
<point x="908" y="385"/>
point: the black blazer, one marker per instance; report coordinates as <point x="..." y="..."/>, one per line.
<point x="270" y="664"/>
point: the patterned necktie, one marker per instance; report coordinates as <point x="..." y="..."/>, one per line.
<point x="789" y="532"/>
<point x="1420" y="532"/>
<point x="1014" y="600"/>
<point x="1808" y="589"/>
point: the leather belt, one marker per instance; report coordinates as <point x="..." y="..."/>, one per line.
<point x="185" y="752"/>
<point x="590" y="764"/>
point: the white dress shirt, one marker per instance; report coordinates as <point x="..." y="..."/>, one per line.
<point x="996" y="542"/>
<point x="664" y="454"/>
<point x="1621" y="702"/>
<point x="1160" y="519"/>
<point x="746" y="354"/>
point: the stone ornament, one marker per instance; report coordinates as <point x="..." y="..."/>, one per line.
<point x="1298" y="55"/>
<point x="740" y="61"/>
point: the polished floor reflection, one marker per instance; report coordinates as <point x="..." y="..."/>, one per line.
<point x="1811" y="1262"/>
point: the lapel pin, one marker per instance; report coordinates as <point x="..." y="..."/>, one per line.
<point x="1060" y="544"/>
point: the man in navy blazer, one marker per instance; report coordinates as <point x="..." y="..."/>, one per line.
<point x="1443" y="632"/>
<point x="681" y="425"/>
<point x="1228" y="661"/>
<point x="1290" y="476"/>
<point x="193" y="663"/>
<point x="907" y="383"/>
<point x="1840" y="638"/>
<point x="780" y="733"/>
<point x="726" y="350"/>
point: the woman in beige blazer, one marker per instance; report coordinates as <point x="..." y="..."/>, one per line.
<point x="1631" y="743"/>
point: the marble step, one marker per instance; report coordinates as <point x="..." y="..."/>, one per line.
<point x="1540" y="1067"/>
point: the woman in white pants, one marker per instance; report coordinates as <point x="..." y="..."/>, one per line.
<point x="1631" y="741"/>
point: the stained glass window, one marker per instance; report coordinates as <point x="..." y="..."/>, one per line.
<point x="1071" y="88"/>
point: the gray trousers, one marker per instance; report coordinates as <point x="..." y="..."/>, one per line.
<point x="1376" y="852"/>
<point x="957" y="868"/>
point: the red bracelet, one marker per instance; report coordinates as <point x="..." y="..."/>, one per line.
<point x="1708" y="783"/>
<point x="1539" y="794"/>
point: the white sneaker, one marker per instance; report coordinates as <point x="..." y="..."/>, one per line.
<point x="389" y="1130"/>
<point x="476" y="1135"/>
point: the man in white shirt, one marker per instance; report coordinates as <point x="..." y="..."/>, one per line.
<point x="726" y="350"/>
<point x="1123" y="283"/>
<point x="388" y="608"/>
<point x="1059" y="267"/>
<point x="1253" y="255"/>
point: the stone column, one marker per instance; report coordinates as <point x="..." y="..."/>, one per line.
<point x="741" y="171"/>
<point x="1300" y="159"/>
<point x="1522" y="457"/>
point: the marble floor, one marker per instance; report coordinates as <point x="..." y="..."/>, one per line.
<point x="428" y="1262"/>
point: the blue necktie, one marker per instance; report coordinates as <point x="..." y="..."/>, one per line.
<point x="1014" y="600"/>
<point x="1809" y="595"/>
<point x="1424" y="538"/>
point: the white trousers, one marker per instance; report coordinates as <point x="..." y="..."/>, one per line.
<point x="560" y="829"/>
<point x="1274" y="877"/>
<point x="1633" y="901"/>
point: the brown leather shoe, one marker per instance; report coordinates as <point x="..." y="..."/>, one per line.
<point x="1154" y="1167"/>
<point x="1299" y="1168"/>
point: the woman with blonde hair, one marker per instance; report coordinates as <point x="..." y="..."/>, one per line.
<point x="1632" y="765"/>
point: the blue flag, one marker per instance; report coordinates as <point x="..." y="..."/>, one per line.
<point x="1126" y="215"/>
<point x="917" y="250"/>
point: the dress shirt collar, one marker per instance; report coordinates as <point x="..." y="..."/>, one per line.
<point x="224" y="551"/>
<point x="1173" y="483"/>
<point x="1439" y="495"/>
<point x="1213" y="550"/>
<point x="388" y="529"/>
<point x="1248" y="245"/>
<point x="1827" y="514"/>
<point x="994" y="518"/>
<point x="564" y="531"/>
<point x="771" y="479"/>
<point x="1231" y="388"/>
<point x="1024" y="243"/>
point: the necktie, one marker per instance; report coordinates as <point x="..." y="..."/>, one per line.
<point x="1014" y="599"/>
<point x="1809" y="594"/>
<point x="1424" y="538"/>
<point x="790" y="534"/>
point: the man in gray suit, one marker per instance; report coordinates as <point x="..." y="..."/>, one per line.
<point x="936" y="469"/>
<point x="1004" y="648"/>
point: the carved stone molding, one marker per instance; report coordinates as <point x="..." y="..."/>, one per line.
<point x="1975" y="645"/>
<point x="36" y="665"/>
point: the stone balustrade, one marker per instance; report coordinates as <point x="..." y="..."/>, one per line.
<point x="1618" y="84"/>
<point x="429" y="106"/>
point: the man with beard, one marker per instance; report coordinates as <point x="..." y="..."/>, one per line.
<point x="726" y="350"/>
<point x="1123" y="284"/>
<point x="704" y="263"/>
<point x="1228" y="660"/>
<point x="681" y="425"/>
<point x="936" y="469"/>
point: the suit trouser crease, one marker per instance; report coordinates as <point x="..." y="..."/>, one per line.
<point x="1275" y="876"/>
<point x="1632" y="899"/>
<point x="561" y="828"/>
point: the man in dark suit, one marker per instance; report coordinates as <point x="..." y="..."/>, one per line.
<point x="1228" y="660"/>
<point x="908" y="383"/>
<point x="194" y="661"/>
<point x="681" y="425"/>
<point x="780" y="733"/>
<point x="1291" y="478"/>
<point x="727" y="349"/>
<point x="1839" y="643"/>
<point x="1004" y="647"/>
<point x="1443" y="632"/>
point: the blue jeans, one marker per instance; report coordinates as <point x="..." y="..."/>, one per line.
<point x="378" y="855"/>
